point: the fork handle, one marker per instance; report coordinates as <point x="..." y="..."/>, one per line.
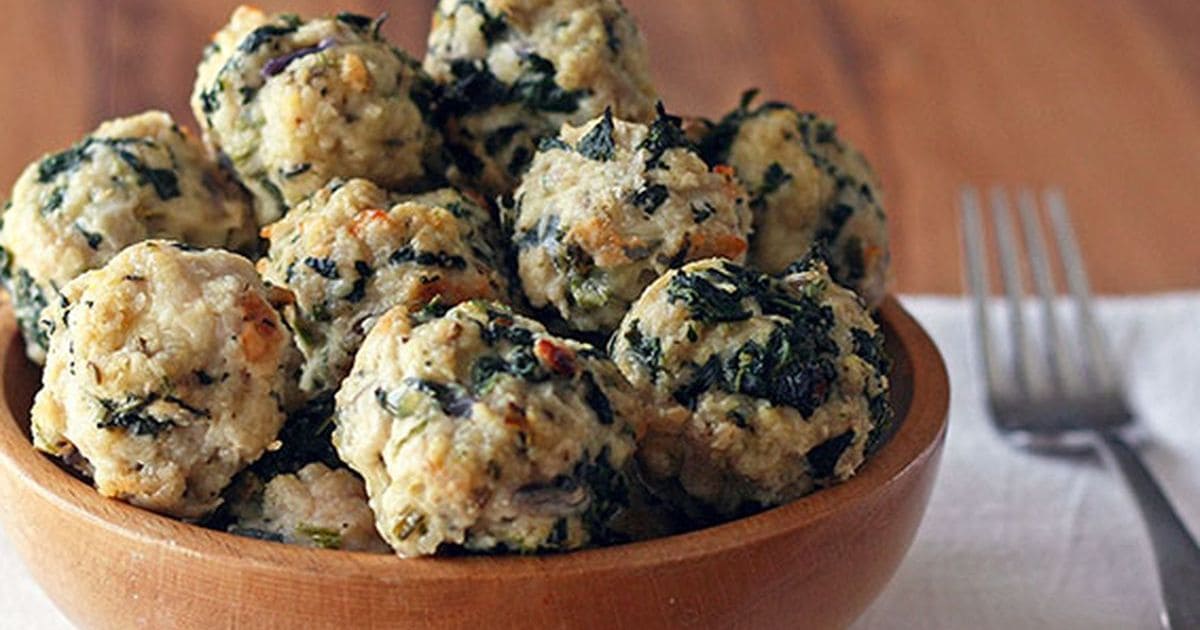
<point x="1176" y="551"/>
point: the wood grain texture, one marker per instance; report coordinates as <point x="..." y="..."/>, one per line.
<point x="821" y="559"/>
<point x="1102" y="98"/>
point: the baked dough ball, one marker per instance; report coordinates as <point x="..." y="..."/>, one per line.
<point x="316" y="506"/>
<point x="294" y="103"/>
<point x="807" y="185"/>
<point x="353" y="251"/>
<point x="514" y="71"/>
<point x="164" y="376"/>
<point x="132" y="179"/>
<point x="480" y="430"/>
<point x="773" y="387"/>
<point x="609" y="206"/>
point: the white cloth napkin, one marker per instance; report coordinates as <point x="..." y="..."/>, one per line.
<point x="1011" y="540"/>
<point x="1016" y="540"/>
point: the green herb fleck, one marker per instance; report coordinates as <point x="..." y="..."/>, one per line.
<point x="324" y="267"/>
<point x="646" y="350"/>
<point x="823" y="458"/>
<point x="131" y="415"/>
<point x="666" y="133"/>
<point x="320" y="536"/>
<point x="93" y="239"/>
<point x="651" y="197"/>
<point x="262" y="35"/>
<point x="598" y="144"/>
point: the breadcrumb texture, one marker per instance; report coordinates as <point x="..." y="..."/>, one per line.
<point x="164" y="376"/>
<point x="478" y="430"/>
<point x="353" y="251"/>
<point x="317" y="506"/>
<point x="293" y="104"/>
<point x="609" y="207"/>
<point x="770" y="388"/>
<point x="807" y="185"/>
<point x="515" y="70"/>
<point x="130" y="180"/>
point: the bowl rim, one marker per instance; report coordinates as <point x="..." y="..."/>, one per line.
<point x="921" y="429"/>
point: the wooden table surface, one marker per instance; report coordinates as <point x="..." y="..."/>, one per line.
<point x="1101" y="97"/>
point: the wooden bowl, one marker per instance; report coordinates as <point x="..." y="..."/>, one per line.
<point x="817" y="562"/>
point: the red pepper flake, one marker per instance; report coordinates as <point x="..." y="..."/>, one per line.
<point x="560" y="360"/>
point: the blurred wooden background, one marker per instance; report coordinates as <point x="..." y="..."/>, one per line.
<point x="1099" y="96"/>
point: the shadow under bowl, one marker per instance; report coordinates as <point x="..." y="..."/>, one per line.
<point x="816" y="562"/>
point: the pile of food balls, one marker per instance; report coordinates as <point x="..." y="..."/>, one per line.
<point x="498" y="301"/>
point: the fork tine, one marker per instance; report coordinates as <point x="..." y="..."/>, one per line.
<point x="1010" y="268"/>
<point x="972" y="232"/>
<point x="1097" y="364"/>
<point x="1035" y="242"/>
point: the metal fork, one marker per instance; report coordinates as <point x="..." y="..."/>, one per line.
<point x="1044" y="399"/>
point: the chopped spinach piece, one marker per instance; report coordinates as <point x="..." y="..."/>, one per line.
<point x="28" y="304"/>
<point x="443" y="260"/>
<point x="359" y="290"/>
<point x="715" y="146"/>
<point x="262" y="35"/>
<point x="210" y="100"/>
<point x="199" y="412"/>
<point x="835" y="218"/>
<point x="598" y="144"/>
<point x="608" y="489"/>
<point x="500" y="327"/>
<point x="774" y="177"/>
<point x="537" y="89"/>
<point x="881" y="412"/>
<point x="494" y="26"/>
<point x="475" y="88"/>
<point x="545" y="233"/>
<point x="519" y="363"/>
<point x="548" y="143"/>
<point x="324" y="267"/>
<point x="451" y="398"/>
<point x="870" y="348"/>
<point x="646" y="350"/>
<point x="93" y="239"/>
<point x="163" y="180"/>
<point x="823" y="458"/>
<point x="54" y="200"/>
<point x="651" y="197"/>
<point x="666" y="132"/>
<point x="794" y="366"/>
<point x="131" y="415"/>
<point x="296" y="170"/>
<point x="64" y="161"/>
<point x="355" y="20"/>
<point x="705" y="378"/>
<point x="710" y="295"/>
<point x="306" y="437"/>
<point x="597" y="400"/>
<point x="702" y="212"/>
